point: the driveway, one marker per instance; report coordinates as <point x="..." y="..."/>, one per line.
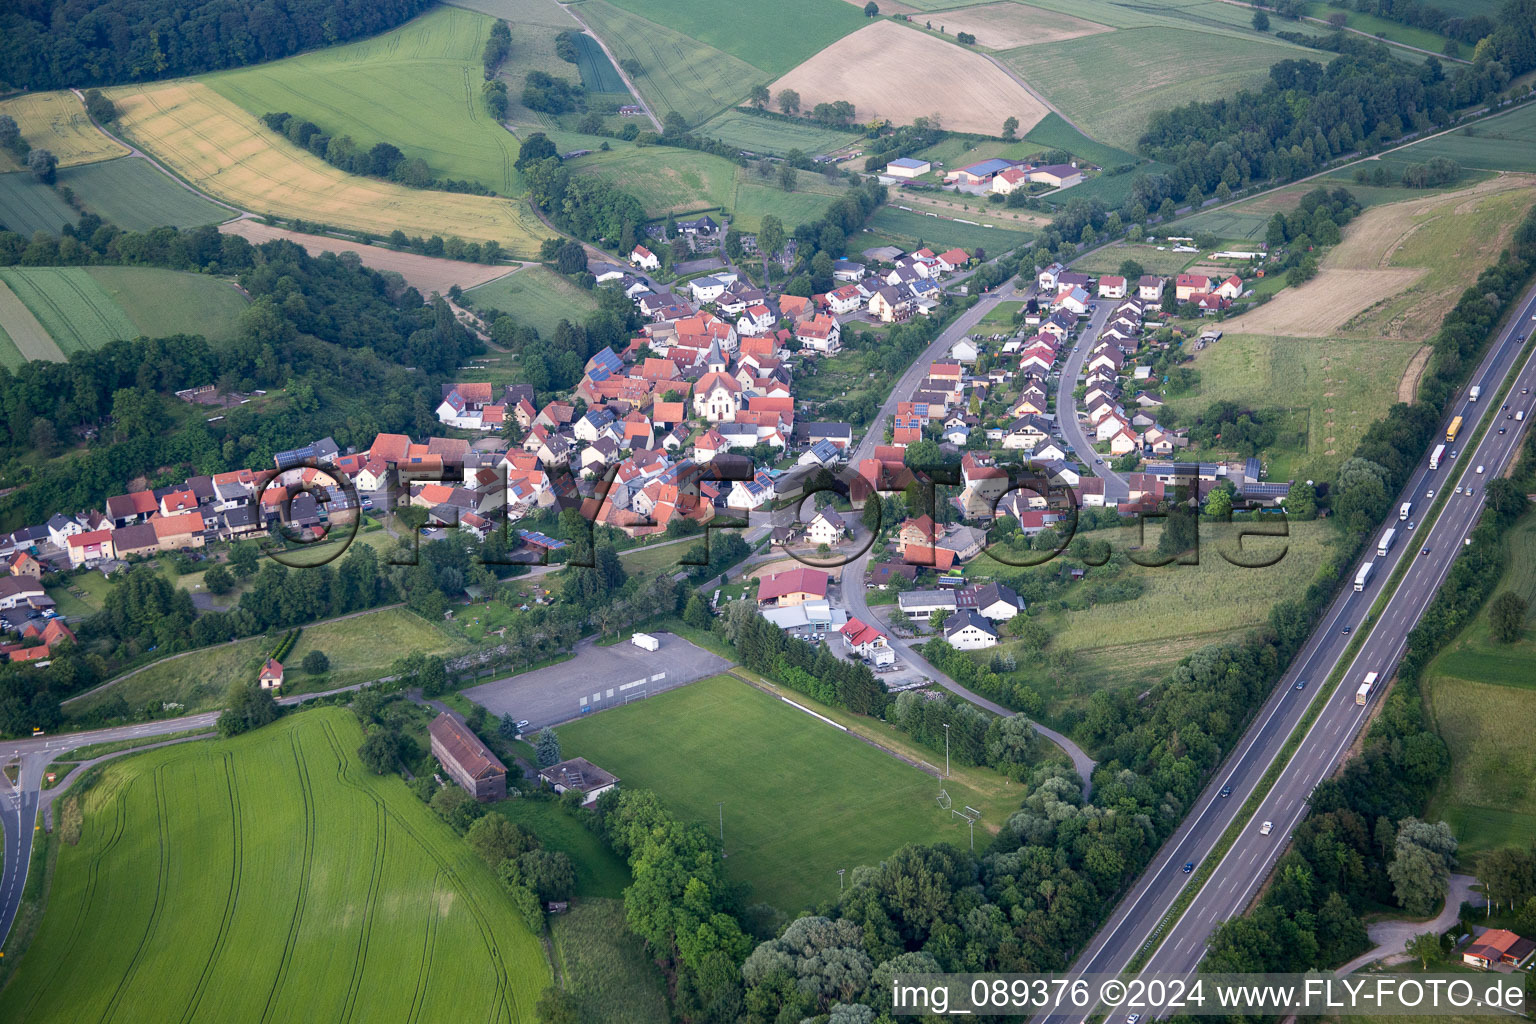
<point x="1392" y="936"/>
<point x="595" y="679"/>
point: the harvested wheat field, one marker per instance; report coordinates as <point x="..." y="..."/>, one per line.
<point x="427" y="274"/>
<point x="228" y="153"/>
<point x="56" y="121"/>
<point x="1400" y="265"/>
<point x="873" y="68"/>
<point x="1004" y="26"/>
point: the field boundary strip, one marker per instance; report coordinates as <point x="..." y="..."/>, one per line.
<point x="26" y="332"/>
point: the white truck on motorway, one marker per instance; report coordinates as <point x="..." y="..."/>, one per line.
<point x="1385" y="543"/>
<point x="645" y="642"/>
<point x="1402" y="513"/>
<point x="1363" y="694"/>
<point x="1434" y="456"/>
<point x="1474" y="393"/>
<point x="1364" y="576"/>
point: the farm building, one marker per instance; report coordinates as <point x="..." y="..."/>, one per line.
<point x="466" y="760"/>
<point x="907" y="167"/>
<point x="978" y="173"/>
<point x="581" y="776"/>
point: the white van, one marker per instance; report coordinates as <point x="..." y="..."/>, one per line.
<point x="1520" y="415"/>
<point x="1479" y="470"/>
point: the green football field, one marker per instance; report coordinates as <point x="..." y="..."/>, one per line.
<point x="801" y="799"/>
<point x="271" y="878"/>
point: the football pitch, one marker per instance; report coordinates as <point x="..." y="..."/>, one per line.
<point x="800" y="798"/>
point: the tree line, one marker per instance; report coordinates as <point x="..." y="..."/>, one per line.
<point x="56" y="44"/>
<point x="382" y="160"/>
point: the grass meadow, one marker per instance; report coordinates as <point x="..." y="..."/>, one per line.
<point x="605" y="965"/>
<point x="354" y="646"/>
<point x="677" y="72"/>
<point x="77" y="313"/>
<point x="536" y="296"/>
<point x="831" y="801"/>
<point x="56" y="121"/>
<point x="417" y="87"/>
<point x="770" y="135"/>
<point x="770" y="37"/>
<point x="664" y="179"/>
<point x="28" y="206"/>
<point x="905" y="229"/>
<point x="132" y="194"/>
<point x="1482" y="696"/>
<point x="270" y="877"/>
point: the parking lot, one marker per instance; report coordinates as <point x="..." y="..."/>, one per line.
<point x="597" y="678"/>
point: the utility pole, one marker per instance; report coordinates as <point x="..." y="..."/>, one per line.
<point x="840" y="878"/>
<point x="946" y="750"/>
<point x="720" y="806"/>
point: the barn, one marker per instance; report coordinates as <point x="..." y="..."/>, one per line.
<point x="466" y="760"/>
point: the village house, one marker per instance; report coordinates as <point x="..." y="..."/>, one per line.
<point x="867" y="642"/>
<point x="967" y="630"/>
<point x="1111" y="286"/>
<point x="1187" y="285"/>
<point x="578" y="775"/>
<point x="643" y="258"/>
<point x="827" y="528"/>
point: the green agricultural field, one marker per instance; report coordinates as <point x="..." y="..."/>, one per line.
<point x="270" y="877"/>
<point x="1143" y="70"/>
<point x="201" y="680"/>
<point x="1339" y="387"/>
<point x="770" y="135"/>
<point x="787" y="831"/>
<point x="536" y="296"/>
<point x="1504" y="143"/>
<point x="771" y="37"/>
<point x="1482" y="696"/>
<point x="1053" y="132"/>
<point x="1392" y="31"/>
<point x="75" y="310"/>
<point x="523" y="12"/>
<point x="677" y="72"/>
<point x="28" y="206"/>
<point x="130" y="193"/>
<point x="165" y="302"/>
<point x="417" y="87"/>
<point x="906" y="228"/>
<point x="606" y="967"/>
<point x="597" y="72"/>
<point x="664" y="179"/>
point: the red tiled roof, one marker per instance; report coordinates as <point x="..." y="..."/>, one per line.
<point x="793" y="581"/>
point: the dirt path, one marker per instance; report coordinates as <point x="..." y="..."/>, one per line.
<point x="1408" y="387"/>
<point x="571" y="10"/>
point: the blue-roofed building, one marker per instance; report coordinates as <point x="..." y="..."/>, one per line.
<point x="822" y="453"/>
<point x="607" y="359"/>
<point x="979" y="173"/>
<point x="907" y="167"/>
<point x="533" y="538"/>
<point x="296" y="457"/>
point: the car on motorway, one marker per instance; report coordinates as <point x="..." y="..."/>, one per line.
<point x="1429" y="493"/>
<point x="1133" y="1018"/>
<point x="1453" y="453"/>
<point x="1410" y="524"/>
<point x="1470" y="490"/>
<point x="1345" y="631"/>
<point x="1266" y="828"/>
<point x="1189" y="866"/>
<point x="1226" y="790"/>
<point x="1458" y="488"/>
<point x="1501" y="430"/>
<point x="1525" y="391"/>
<point x="1301" y="684"/>
<point x="1423" y="551"/>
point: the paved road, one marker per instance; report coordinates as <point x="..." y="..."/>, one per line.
<point x="1116" y="488"/>
<point x="1391" y="937"/>
<point x="1244" y="867"/>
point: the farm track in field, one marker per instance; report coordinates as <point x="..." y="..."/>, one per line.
<point x="162" y="880"/>
<point x="306" y="867"/>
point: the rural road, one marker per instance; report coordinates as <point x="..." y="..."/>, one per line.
<point x="571" y="10"/>
<point x="1426" y="555"/>
<point x="1392" y="936"/>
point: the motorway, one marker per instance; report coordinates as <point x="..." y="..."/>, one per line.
<point x="1245" y="866"/>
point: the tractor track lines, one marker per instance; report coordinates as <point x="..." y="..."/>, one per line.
<point x="232" y="896"/>
<point x="306" y="866"/>
<point x="370" y="903"/>
<point x="162" y="879"/>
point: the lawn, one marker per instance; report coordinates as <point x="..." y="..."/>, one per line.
<point x="664" y="179"/>
<point x="271" y="877"/>
<point x="1055" y="133"/>
<point x="1141" y="71"/>
<point x="130" y="193"/>
<point x="28" y="206"/>
<point x="829" y="801"/>
<point x="771" y="37"/>
<point x="1160" y="260"/>
<point x="770" y="135"/>
<point x="228" y="152"/>
<point x="651" y="559"/>
<point x="677" y="72"/>
<point x="606" y="967"/>
<point x="360" y="648"/>
<point x="536" y="296"/>
<point x="1482" y="696"/>
<point x="56" y="121"/>
<point x="1000" y="318"/>
<point x="904" y="227"/>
